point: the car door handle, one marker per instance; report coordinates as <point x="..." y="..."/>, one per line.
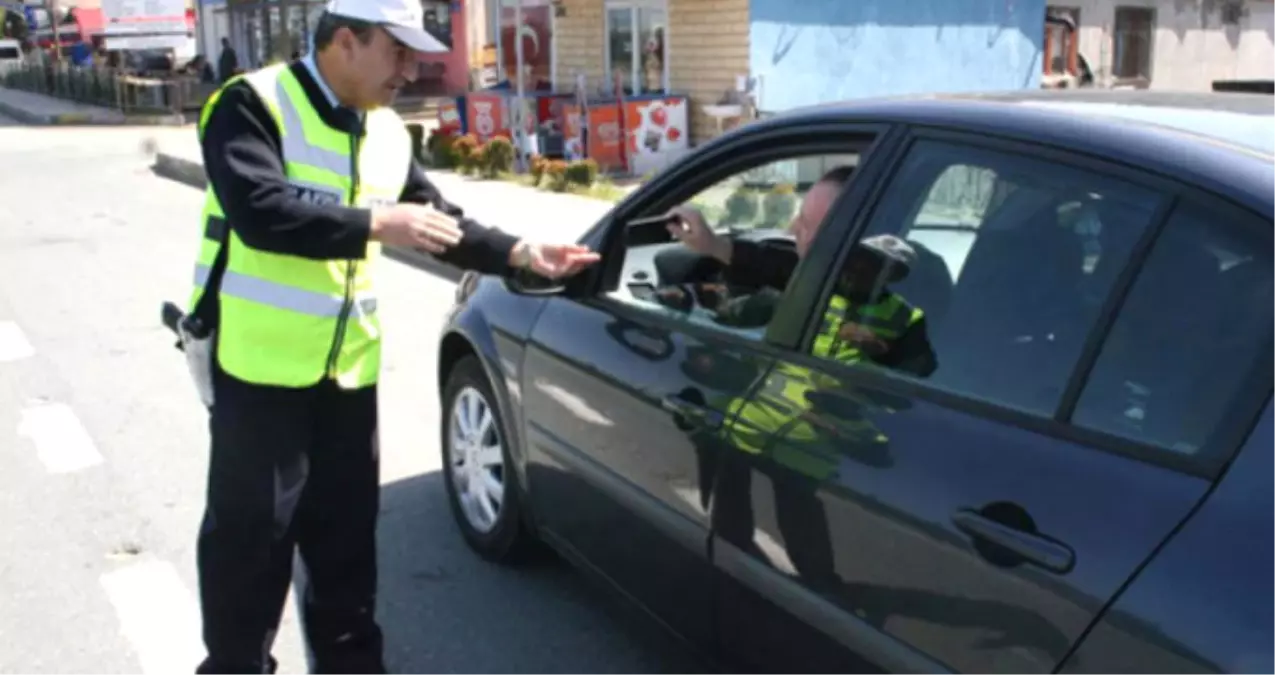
<point x="655" y="345"/>
<point x="1006" y="545"/>
<point x="687" y="413"/>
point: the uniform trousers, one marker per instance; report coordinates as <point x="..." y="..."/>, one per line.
<point x="292" y="472"/>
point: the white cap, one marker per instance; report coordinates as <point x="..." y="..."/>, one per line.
<point x="401" y="18"/>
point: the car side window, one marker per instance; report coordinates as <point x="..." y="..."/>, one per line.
<point x="755" y="206"/>
<point x="1192" y="327"/>
<point x="983" y="272"/>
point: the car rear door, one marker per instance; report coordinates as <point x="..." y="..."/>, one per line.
<point x="977" y="517"/>
<point x="1202" y="603"/>
<point x="622" y="395"/>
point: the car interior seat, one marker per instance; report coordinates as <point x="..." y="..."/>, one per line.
<point x="1016" y="304"/>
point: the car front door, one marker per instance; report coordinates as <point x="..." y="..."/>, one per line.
<point x="622" y="390"/>
<point x="959" y="492"/>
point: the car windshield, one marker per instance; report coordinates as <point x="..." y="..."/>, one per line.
<point x="1254" y="131"/>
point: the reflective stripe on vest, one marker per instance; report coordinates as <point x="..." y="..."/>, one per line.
<point x="773" y="418"/>
<point x="887" y="319"/>
<point x="291" y="321"/>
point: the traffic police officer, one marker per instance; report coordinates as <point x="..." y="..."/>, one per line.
<point x="309" y="174"/>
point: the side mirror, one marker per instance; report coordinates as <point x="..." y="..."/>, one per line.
<point x="524" y="282"/>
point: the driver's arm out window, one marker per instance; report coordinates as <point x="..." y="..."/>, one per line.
<point x="754" y="208"/>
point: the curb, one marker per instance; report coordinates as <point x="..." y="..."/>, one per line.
<point x="87" y="119"/>
<point x="191" y="173"/>
<point x="20" y="114"/>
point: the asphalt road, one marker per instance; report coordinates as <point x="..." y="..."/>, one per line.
<point x="104" y="451"/>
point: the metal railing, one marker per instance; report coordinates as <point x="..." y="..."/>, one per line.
<point x="107" y="88"/>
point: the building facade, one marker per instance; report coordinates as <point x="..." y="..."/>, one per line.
<point x="797" y="53"/>
<point x="267" y="31"/>
<point x="1174" y="44"/>
<point x="693" y="47"/>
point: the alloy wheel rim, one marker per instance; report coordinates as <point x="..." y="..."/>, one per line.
<point x="477" y="460"/>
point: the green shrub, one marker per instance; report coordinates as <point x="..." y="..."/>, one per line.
<point x="537" y="167"/>
<point x="498" y="157"/>
<point x="583" y="172"/>
<point x="467" y="152"/>
<point x="741" y="206"/>
<point x="442" y="148"/>
<point x="779" y="206"/>
<point x="556" y="175"/>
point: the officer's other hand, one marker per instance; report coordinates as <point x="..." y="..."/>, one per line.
<point x="415" y="226"/>
<point x="692" y="230"/>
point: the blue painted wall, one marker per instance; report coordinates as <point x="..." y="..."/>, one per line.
<point x="814" y="51"/>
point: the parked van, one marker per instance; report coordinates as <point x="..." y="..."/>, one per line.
<point x="10" y="55"/>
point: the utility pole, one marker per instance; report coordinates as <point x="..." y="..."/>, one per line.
<point x="51" y="6"/>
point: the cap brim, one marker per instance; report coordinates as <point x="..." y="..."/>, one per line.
<point x="417" y="39"/>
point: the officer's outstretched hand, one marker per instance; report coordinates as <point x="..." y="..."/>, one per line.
<point x="552" y="260"/>
<point x="416" y="226"/>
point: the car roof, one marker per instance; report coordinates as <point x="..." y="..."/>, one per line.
<point x="1222" y="142"/>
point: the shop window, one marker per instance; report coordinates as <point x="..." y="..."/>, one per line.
<point x="636" y="49"/>
<point x="438" y="20"/>
<point x="313" y="12"/>
<point x="1134" y="33"/>
<point x="536" y="36"/>
<point x="280" y="46"/>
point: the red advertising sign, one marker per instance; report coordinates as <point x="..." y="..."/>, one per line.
<point x="606" y="142"/>
<point x="486" y="116"/>
<point x="449" y="118"/>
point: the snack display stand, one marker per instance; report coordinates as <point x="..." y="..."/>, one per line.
<point x="490" y="112"/>
<point x="628" y="135"/>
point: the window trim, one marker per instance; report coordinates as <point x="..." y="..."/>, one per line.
<point x="717" y="161"/>
<point x="1170" y="193"/>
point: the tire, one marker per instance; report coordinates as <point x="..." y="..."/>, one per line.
<point x="504" y="538"/>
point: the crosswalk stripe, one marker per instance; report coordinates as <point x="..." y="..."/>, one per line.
<point x="60" y="439"/>
<point x="158" y="616"/>
<point x="14" y="345"/>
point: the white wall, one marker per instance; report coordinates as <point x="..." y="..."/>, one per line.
<point x="1188" y="53"/>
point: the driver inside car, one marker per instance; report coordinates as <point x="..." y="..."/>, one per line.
<point x="747" y="263"/>
<point x="860" y="298"/>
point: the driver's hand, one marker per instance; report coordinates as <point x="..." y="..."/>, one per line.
<point x="711" y="295"/>
<point x="862" y="337"/>
<point x="692" y="230"/>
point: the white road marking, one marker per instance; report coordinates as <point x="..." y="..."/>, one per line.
<point x="14" y="345"/>
<point x="60" y="439"/>
<point x="157" y="615"/>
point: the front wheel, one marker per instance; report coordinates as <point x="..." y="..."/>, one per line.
<point x="482" y="485"/>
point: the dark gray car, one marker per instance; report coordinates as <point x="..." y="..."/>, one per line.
<point x="1082" y="484"/>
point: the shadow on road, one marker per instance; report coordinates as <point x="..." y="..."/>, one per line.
<point x="444" y="609"/>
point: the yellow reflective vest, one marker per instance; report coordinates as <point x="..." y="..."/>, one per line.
<point x="289" y="321"/>
<point x="774" y="419"/>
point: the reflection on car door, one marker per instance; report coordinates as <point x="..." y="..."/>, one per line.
<point x="624" y="395"/>
<point x="950" y="520"/>
<point x="620" y="463"/>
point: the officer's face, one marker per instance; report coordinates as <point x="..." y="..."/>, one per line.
<point x="861" y="272"/>
<point x="378" y="68"/>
